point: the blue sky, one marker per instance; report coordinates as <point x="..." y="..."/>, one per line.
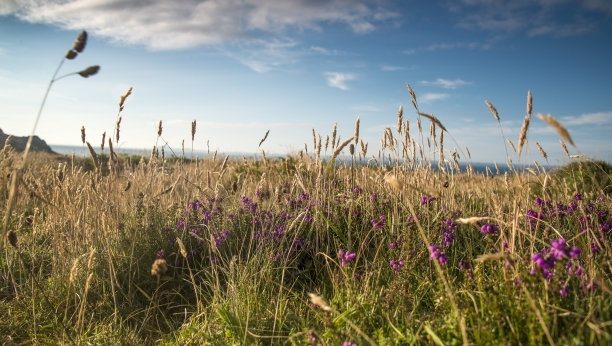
<point x="241" y="67"/>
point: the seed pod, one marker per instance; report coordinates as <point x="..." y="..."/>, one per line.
<point x="90" y="71"/>
<point x="71" y="54"/>
<point x="80" y="42"/>
<point x="12" y="238"/>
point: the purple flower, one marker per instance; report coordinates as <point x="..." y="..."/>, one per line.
<point x="397" y="265"/>
<point x="345" y="257"/>
<point x="161" y="254"/>
<point x="380" y="222"/>
<point x="435" y="254"/>
<point x="489" y="228"/>
<point x="373" y="197"/>
<point x="426" y="200"/>
<point x="349" y="343"/>
<point x="357" y="190"/>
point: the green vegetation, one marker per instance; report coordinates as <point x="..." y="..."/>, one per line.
<point x="123" y="250"/>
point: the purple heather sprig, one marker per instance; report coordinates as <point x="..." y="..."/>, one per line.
<point x="380" y="222"/>
<point x="435" y="254"/>
<point x="345" y="257"/>
<point x="397" y="265"/>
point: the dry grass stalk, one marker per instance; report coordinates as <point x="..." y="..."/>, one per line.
<point x="123" y="97"/>
<point x="564" y="147"/>
<point x="117" y="130"/>
<point x="471" y="220"/>
<point x="83" y="134"/>
<point x="326" y="142"/>
<point x="333" y="139"/>
<point x="493" y="110"/>
<point x="159" y="267"/>
<point x="523" y="134"/>
<point x="159" y="129"/>
<point x="94" y="156"/>
<point x="356" y="135"/>
<point x="340" y="147"/>
<point x="193" y="130"/>
<point x="542" y="151"/>
<point x="400" y="113"/>
<point x="529" y="103"/>
<point x="224" y="164"/>
<point x="182" y="249"/>
<point x="511" y="145"/>
<point x="103" y="140"/>
<point x="264" y="138"/>
<point x="317" y="300"/>
<point x="433" y="119"/>
<point x="562" y="131"/>
<point x="364" y="148"/>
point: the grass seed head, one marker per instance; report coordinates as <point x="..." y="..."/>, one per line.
<point x="80" y="42"/>
<point x="159" y="267"/>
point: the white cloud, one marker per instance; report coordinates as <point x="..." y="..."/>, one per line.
<point x="446" y="83"/>
<point x="338" y="80"/>
<point x="168" y="25"/>
<point x="599" y="118"/>
<point x="431" y="97"/>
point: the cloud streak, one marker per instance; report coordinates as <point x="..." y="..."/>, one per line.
<point x="171" y="25"/>
<point x="599" y="118"/>
<point x="446" y="83"/>
<point x="339" y="80"/>
<point x="431" y="97"/>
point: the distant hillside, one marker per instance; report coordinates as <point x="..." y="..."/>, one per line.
<point x="19" y="143"/>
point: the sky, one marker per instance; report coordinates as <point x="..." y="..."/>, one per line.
<point x="243" y="67"/>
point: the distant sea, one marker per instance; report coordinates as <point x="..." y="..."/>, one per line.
<point x="479" y="167"/>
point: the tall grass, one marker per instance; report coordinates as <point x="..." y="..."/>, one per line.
<point x="302" y="249"/>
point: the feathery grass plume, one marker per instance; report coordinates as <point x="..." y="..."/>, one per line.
<point x="94" y="156"/>
<point x="182" y="248"/>
<point x="432" y="130"/>
<point x="83" y="134"/>
<point x="317" y="300"/>
<point x="564" y="147"/>
<point x="391" y="179"/>
<point x="523" y="134"/>
<point x="400" y="113"/>
<point x="557" y="125"/>
<point x="159" y="129"/>
<point x="542" y="151"/>
<point x="265" y="160"/>
<point x="413" y="97"/>
<point x="333" y="139"/>
<point x="525" y="127"/>
<point x="471" y="220"/>
<point x="356" y="135"/>
<point x="123" y="97"/>
<point x="159" y="267"/>
<point x="340" y="147"/>
<point x="433" y="119"/>
<point x="492" y="109"/>
<point x="103" y="141"/>
<point x="193" y="130"/>
<point x="318" y="148"/>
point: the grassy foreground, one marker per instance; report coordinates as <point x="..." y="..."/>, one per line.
<point x="301" y="251"/>
<point x="389" y="250"/>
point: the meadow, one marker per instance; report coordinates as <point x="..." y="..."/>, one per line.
<point x="397" y="247"/>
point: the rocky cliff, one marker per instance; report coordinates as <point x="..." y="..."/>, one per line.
<point x="19" y="143"/>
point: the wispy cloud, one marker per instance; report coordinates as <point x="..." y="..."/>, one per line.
<point x="442" y="46"/>
<point x="169" y="25"/>
<point x="391" y="68"/>
<point x="599" y="118"/>
<point x="339" y="80"/>
<point x="546" y="16"/>
<point x="431" y="97"/>
<point x="445" y="83"/>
